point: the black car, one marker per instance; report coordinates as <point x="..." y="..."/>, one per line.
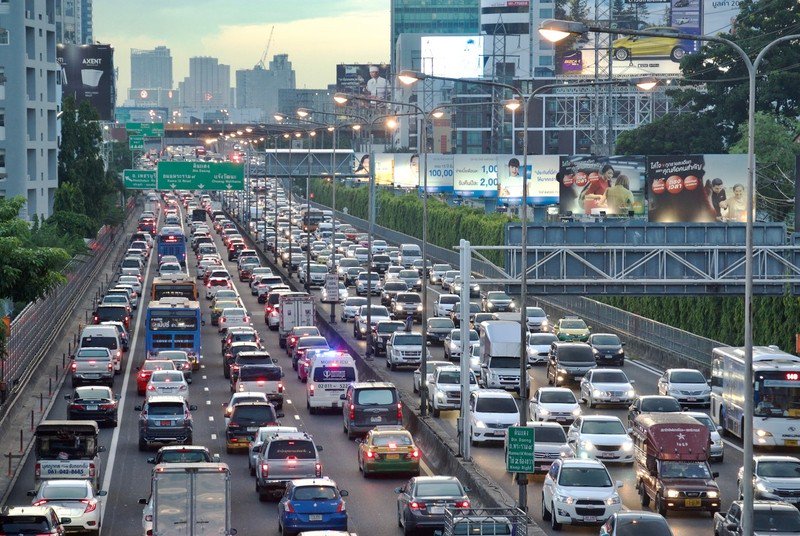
<point x="165" y="419"/>
<point x="245" y="420"/>
<point x="381" y="263"/>
<point x="652" y="404"/>
<point x="382" y="332"/>
<point x="391" y="289"/>
<point x="422" y="501"/>
<point x="93" y="402"/>
<point x="607" y="349"/>
<point x="438" y="329"/>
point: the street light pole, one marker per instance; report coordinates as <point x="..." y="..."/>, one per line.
<point x="333" y="129"/>
<point x="307" y="279"/>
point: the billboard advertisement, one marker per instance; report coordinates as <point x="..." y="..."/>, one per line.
<point x="475" y="175"/>
<point x="542" y="183"/>
<point x="697" y="188"/>
<point x="364" y="79"/>
<point x="440" y="173"/>
<point x="719" y="15"/>
<point x="88" y="75"/>
<point x="591" y="185"/>
<point x="384" y="169"/>
<point x="406" y="170"/>
<point x="452" y="56"/>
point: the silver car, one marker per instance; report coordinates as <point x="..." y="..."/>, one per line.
<point x="351" y="306"/>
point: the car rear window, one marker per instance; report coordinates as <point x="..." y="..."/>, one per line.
<point x="111" y="313"/>
<point x="189" y="456"/>
<point x="300" y="449"/>
<point x="23" y="524"/>
<point x="65" y="492"/>
<point x="385" y="440"/>
<point x="439" y="489"/>
<point x="661" y="404"/>
<point x="315" y="493"/>
<point x="375" y="397"/>
<point x="100" y="342"/>
<point x="252" y="414"/>
<point x="164" y="408"/>
<point x="259" y="373"/>
<point x="87" y="354"/>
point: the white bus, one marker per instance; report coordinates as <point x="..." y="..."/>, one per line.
<point x="776" y="394"/>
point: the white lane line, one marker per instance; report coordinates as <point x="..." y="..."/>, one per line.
<point x="213" y="437"/>
<point x="211" y="418"/>
<point x="205" y="377"/>
<point x="425" y="468"/>
<point x="112" y="451"/>
<point x="296" y="417"/>
<point x="288" y="401"/>
<point x="205" y="389"/>
<point x="208" y="402"/>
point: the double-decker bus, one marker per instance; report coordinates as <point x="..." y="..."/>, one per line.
<point x="174" y="286"/>
<point x="172" y="241"/>
<point x="776" y="394"/>
<point x="173" y="324"/>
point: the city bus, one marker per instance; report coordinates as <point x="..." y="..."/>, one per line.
<point x="311" y="219"/>
<point x="173" y="324"/>
<point x="172" y="241"/>
<point x="776" y="394"/>
<point x="174" y="286"/>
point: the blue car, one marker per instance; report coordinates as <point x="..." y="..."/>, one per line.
<point x="312" y="504"/>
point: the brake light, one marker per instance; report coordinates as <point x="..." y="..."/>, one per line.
<point x="370" y="454"/>
<point x="289" y="507"/>
<point x="74" y="367"/>
<point x="462" y="504"/>
<point x="280" y="387"/>
<point x="265" y="470"/>
<point x="224" y="319"/>
<point x="352" y="415"/>
<point x="40" y="502"/>
<point x="91" y="470"/>
<point x="141" y="374"/>
<point x="415" y="505"/>
<point x="91" y="505"/>
<point x="340" y="507"/>
<point x="318" y="469"/>
<point x="311" y="389"/>
<point x="151" y="387"/>
<point x="400" y="412"/>
<point x="110" y="367"/>
<point x="292" y="461"/>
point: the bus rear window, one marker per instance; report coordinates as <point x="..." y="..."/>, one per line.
<point x="334" y="374"/>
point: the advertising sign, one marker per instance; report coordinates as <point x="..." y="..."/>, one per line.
<point x="384" y="169"/>
<point x="88" y="75"/>
<point x="475" y="175"/>
<point x="364" y="78"/>
<point x="406" y="170"/>
<point x="591" y="185"/>
<point x="361" y="166"/>
<point x="541" y="173"/>
<point x="200" y="176"/>
<point x="452" y="56"/>
<point x="440" y="173"/>
<point x="718" y="15"/>
<point x="697" y="188"/>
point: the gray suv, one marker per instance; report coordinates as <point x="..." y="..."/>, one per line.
<point x="370" y="404"/>
<point x="285" y="456"/>
<point x="165" y="419"/>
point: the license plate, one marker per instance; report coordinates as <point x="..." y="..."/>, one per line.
<point x="561" y="419"/>
<point x="252" y="429"/>
<point x="392" y="456"/>
<point x="790" y="442"/>
<point x="437" y="509"/>
<point x="91" y="375"/>
<point x="606" y="455"/>
<point x="613" y="399"/>
<point x="609" y="357"/>
<point x="694" y="503"/>
<point x="577" y="378"/>
<point x="691" y="399"/>
<point x="590" y="519"/>
<point x="375" y="419"/>
<point x="166" y="423"/>
<point x="315" y="517"/>
<point x="91" y="408"/>
<point x="500" y="433"/>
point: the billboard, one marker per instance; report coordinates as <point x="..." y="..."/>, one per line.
<point x="697" y="188"/>
<point x="406" y="170"/>
<point x="613" y="185"/>
<point x="364" y="79"/>
<point x="452" y="56"/>
<point x="719" y="15"/>
<point x="384" y="169"/>
<point x="475" y="175"/>
<point x="361" y="165"/>
<point x="88" y="75"/>
<point x="440" y="173"/>
<point x="541" y="173"/>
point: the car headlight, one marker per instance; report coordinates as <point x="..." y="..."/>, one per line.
<point x="587" y="445"/>
<point x="630" y="393"/>
<point x="480" y="424"/>
<point x="419" y="307"/>
<point x="576" y="411"/>
<point x="543" y="411"/>
<point x="763" y="433"/>
<point x="398" y="307"/>
<point x="672" y="493"/>
<point x="597" y="392"/>
<point x="439" y="395"/>
<point x="760" y="486"/>
<point x="712" y="494"/>
<point x="419" y="281"/>
<point x="620" y="351"/>
<point x="476" y="287"/>
<point x="566" y="499"/>
<point x="627" y="446"/>
<point x="614" y="499"/>
<point x="545" y="323"/>
<point x="489" y="304"/>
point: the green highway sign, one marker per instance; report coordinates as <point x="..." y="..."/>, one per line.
<point x="149" y="130"/>
<point x="136" y="142"/>
<point x="519" y="455"/>
<point x="200" y="176"/>
<point x="139" y="179"/>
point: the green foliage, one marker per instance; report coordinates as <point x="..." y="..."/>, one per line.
<point x="672" y="134"/>
<point x="68" y="198"/>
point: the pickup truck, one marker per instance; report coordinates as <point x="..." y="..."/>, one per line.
<point x="444" y="389"/>
<point x="404" y="349"/>
<point x="769" y="517"/>
<point x="285" y="456"/>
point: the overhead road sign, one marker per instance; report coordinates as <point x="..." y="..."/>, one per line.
<point x="136" y="142"/>
<point x="150" y="130"/>
<point x="200" y="176"/>
<point x="139" y="179"/>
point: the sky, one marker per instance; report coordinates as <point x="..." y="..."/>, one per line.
<point x="317" y="34"/>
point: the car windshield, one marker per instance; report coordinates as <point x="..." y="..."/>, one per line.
<point x="355" y="302"/>
<point x="584" y="477"/>
<point x="635" y="526"/>
<point x="318" y="269"/>
<point x="573" y="324"/>
<point x="557" y="397"/>
<point x="671" y="469"/>
<point x="184" y="456"/>
<point x="378" y="310"/>
<point x="243" y="399"/>
<point x="312" y="342"/>
<point x="315" y="493"/>
<point x="687" y="376"/>
<point x="448" y="300"/>
<point x="610" y="376"/>
<point x="408" y="340"/>
<point x="389" y="327"/>
<point x="497" y="296"/>
<point x="660" y="404"/>
<point x="408" y="298"/>
<point x="440" y="323"/>
<point x="606" y="340"/>
<point x="255" y="413"/>
<point x="541" y="339"/>
<point x="387" y="440"/>
<point x="455" y="335"/>
<point x="439" y="489"/>
<point x="550" y="434"/>
<point x="706" y="421"/>
<point x="491" y="404"/>
<point x="167" y="376"/>
<point x="602" y="427"/>
<point x="534" y="312"/>
<point x="300" y="449"/>
<point x="454" y="377"/>
<point x="163" y="409"/>
<point x="375" y="397"/>
<point x="395" y="285"/>
<point x="576" y="354"/>
<point x="441" y="267"/>
<point x="778" y="469"/>
<point x="784" y="520"/>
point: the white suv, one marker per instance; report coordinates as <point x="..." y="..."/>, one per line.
<point x="404" y="349"/>
<point x="493" y="411"/>
<point x="579" y="492"/>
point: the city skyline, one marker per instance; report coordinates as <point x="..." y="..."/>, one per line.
<point x="238" y="34"/>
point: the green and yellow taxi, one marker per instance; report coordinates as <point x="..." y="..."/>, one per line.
<point x="388" y="449"/>
<point x="572" y="328"/>
<point x="218" y="306"/>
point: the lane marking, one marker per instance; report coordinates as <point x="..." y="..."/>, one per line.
<point x="208" y="402"/>
<point x="288" y="401"/>
<point x="205" y="389"/>
<point x="205" y="377"/>
<point x="211" y="418"/>
<point x="213" y="437"/>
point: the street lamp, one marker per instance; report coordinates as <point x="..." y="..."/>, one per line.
<point x="557" y="30"/>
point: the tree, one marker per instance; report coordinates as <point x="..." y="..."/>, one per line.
<point x="68" y="198"/>
<point x="672" y="134"/>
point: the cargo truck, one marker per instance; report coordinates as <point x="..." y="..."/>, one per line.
<point x="500" y="354"/>
<point x="295" y="310"/>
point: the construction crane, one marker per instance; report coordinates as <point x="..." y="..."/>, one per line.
<point x="261" y="63"/>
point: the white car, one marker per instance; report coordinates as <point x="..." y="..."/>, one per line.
<point x="207" y="264"/>
<point x="256" y="275"/>
<point x="775" y="478"/>
<point x="475" y="359"/>
<point x="255" y="444"/>
<point x="444" y="304"/>
<point x="167" y="382"/>
<point x="133" y="281"/>
<point x="233" y="317"/>
<point x="452" y="343"/>
<point x="404" y="349"/>
<point x="445" y="393"/>
<point x="607" y="387"/>
<point x="215" y="284"/>
<point x="538" y="347"/>
<point x="717" y="452"/>
<point x="228" y="295"/>
<point x="688" y="386"/>
<point x="571" y="485"/>
<point x="431" y="368"/>
<point x="436" y="273"/>
<point x="537" y="320"/>
<point x="492" y="412"/>
<point x="379" y="247"/>
<point x="379" y="313"/>
<point x="70" y="498"/>
<point x="601" y="437"/>
<point x="556" y="404"/>
<point x="239" y="398"/>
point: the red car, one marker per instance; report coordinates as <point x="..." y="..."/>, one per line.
<point x="147" y="369"/>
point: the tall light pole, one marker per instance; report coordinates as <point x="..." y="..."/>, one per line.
<point x="556" y="30"/>
<point x="306" y="227"/>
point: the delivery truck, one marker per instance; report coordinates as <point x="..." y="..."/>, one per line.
<point x="296" y="309"/>
<point x="500" y="354"/>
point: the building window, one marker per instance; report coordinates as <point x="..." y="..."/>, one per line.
<point x="3" y="36"/>
<point x="2" y="158"/>
<point x="545" y="60"/>
<point x="546" y="13"/>
<point x="2" y="118"/>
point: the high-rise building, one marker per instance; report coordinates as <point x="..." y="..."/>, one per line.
<point x="208" y="84"/>
<point x="151" y="69"/>
<point x="68" y="22"/>
<point x="87" y="30"/>
<point x="320" y="100"/>
<point x="511" y="49"/>
<point x="433" y="17"/>
<point x="258" y="87"/>
<point x="29" y="100"/>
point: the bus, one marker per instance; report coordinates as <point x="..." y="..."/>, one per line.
<point x="311" y="219"/>
<point x="776" y="394"/>
<point x="174" y="286"/>
<point x="173" y="324"/>
<point x="172" y="241"/>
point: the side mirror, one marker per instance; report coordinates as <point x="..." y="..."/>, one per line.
<point x="101" y="448"/>
<point x="65" y="520"/>
<point x="274" y="361"/>
<point x="715" y="474"/>
<point x="67" y="397"/>
<point x="151" y="461"/>
<point x="484" y="365"/>
<point x="624" y="343"/>
<point x="632" y="382"/>
<point x="342" y="397"/>
<point x="31" y="493"/>
<point x="719" y="429"/>
<point x="398" y="490"/>
<point x="344" y="493"/>
<point x="620" y="483"/>
<point x="732" y="527"/>
<point x="279" y="414"/>
<point x="319" y="448"/>
<point x="215" y="457"/>
<point x="192" y="408"/>
<point x="142" y="501"/>
<point x="137" y="408"/>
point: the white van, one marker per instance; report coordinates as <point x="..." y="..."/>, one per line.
<point x="409" y="253"/>
<point x="104" y="336"/>
<point x="328" y="378"/>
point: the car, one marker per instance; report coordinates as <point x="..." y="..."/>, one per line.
<point x="634" y="523"/>
<point x="572" y="328"/>
<point x="474" y="288"/>
<point x="444" y="389"/>
<point x="438" y="329"/>
<point x="430" y="368"/>
<point x="537" y="320"/>
<point x="296" y="333"/>
<point x="452" y="343"/>
<point x="367" y="283"/>
<point x="602" y="437"/>
<point x="241" y="334"/>
<point x="455" y="313"/>
<point x="241" y="397"/>
<point x="568" y="361"/>
<point x="769" y="517"/>
<point x="350" y="307"/>
<point x="146" y="370"/>
<point x="404" y="349"/>
<point x="245" y="420"/>
<point x="233" y="317"/>
<point x="378" y="313"/>
<point x="554" y="404"/>
<point x="168" y="269"/>
<point x="256" y="274"/>
<point x="448" y="278"/>
<point x="167" y="382"/>
<point x="436" y="273"/>
<point x="380" y="263"/>
<point x="577" y="492"/>
<point x="181" y="360"/>
<point x="93" y="402"/>
<point x="422" y="501"/>
<point x="652" y="404"/>
<point x="284" y="457"/>
<point x="717" y="452"/>
<point x="216" y="283"/>
<point x="634" y="46"/>
<point x="492" y="412"/>
<point x="538" y="347"/>
<point x="444" y="304"/>
<point x="233" y="351"/>
<point x="306" y="343"/>
<point x="183" y="454"/>
<point x="388" y="449"/>
<point x="165" y="419"/>
<point x="382" y="332"/>
<point x="411" y="278"/>
<point x="390" y="289"/>
<point x="369" y="404"/>
<point x="39" y="520"/>
<point x="607" y="349"/>
<point x="607" y="387"/>
<point x="496" y="301"/>
<point x="688" y="386"/>
<point x="255" y="444"/>
<point x="312" y="504"/>
<point x="775" y="478"/>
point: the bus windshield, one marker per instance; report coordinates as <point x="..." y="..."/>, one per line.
<point x="777" y="394"/>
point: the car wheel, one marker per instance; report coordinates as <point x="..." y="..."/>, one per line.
<point x="142" y="445"/>
<point x="621" y="54"/>
<point x="436" y="411"/>
<point x="661" y="506"/>
<point x="644" y="498"/>
<point x="677" y="54"/>
<point x="545" y="512"/>
<point x="115" y="422"/>
<point x="554" y="524"/>
<point x="590" y="402"/>
<point x="252" y="471"/>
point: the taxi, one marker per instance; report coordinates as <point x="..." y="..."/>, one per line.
<point x="572" y="328"/>
<point x="388" y="449"/>
<point x="220" y="305"/>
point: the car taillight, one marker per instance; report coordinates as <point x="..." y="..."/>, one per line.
<point x="92" y="470"/>
<point x="224" y="319"/>
<point x="74" y="367"/>
<point x="40" y="502"/>
<point x="142" y="375"/>
<point x="280" y="387"/>
<point x="151" y="387"/>
<point x="340" y="507"/>
<point x="110" y="367"/>
<point x="416" y="505"/>
<point x="289" y="507"/>
<point x="413" y="455"/>
<point x="370" y="454"/>
<point x="311" y="389"/>
<point x="400" y="412"/>
<point x="264" y="470"/>
<point x="352" y="415"/>
<point x="462" y="504"/>
<point x="107" y="406"/>
<point x="318" y="469"/>
<point x="91" y="505"/>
